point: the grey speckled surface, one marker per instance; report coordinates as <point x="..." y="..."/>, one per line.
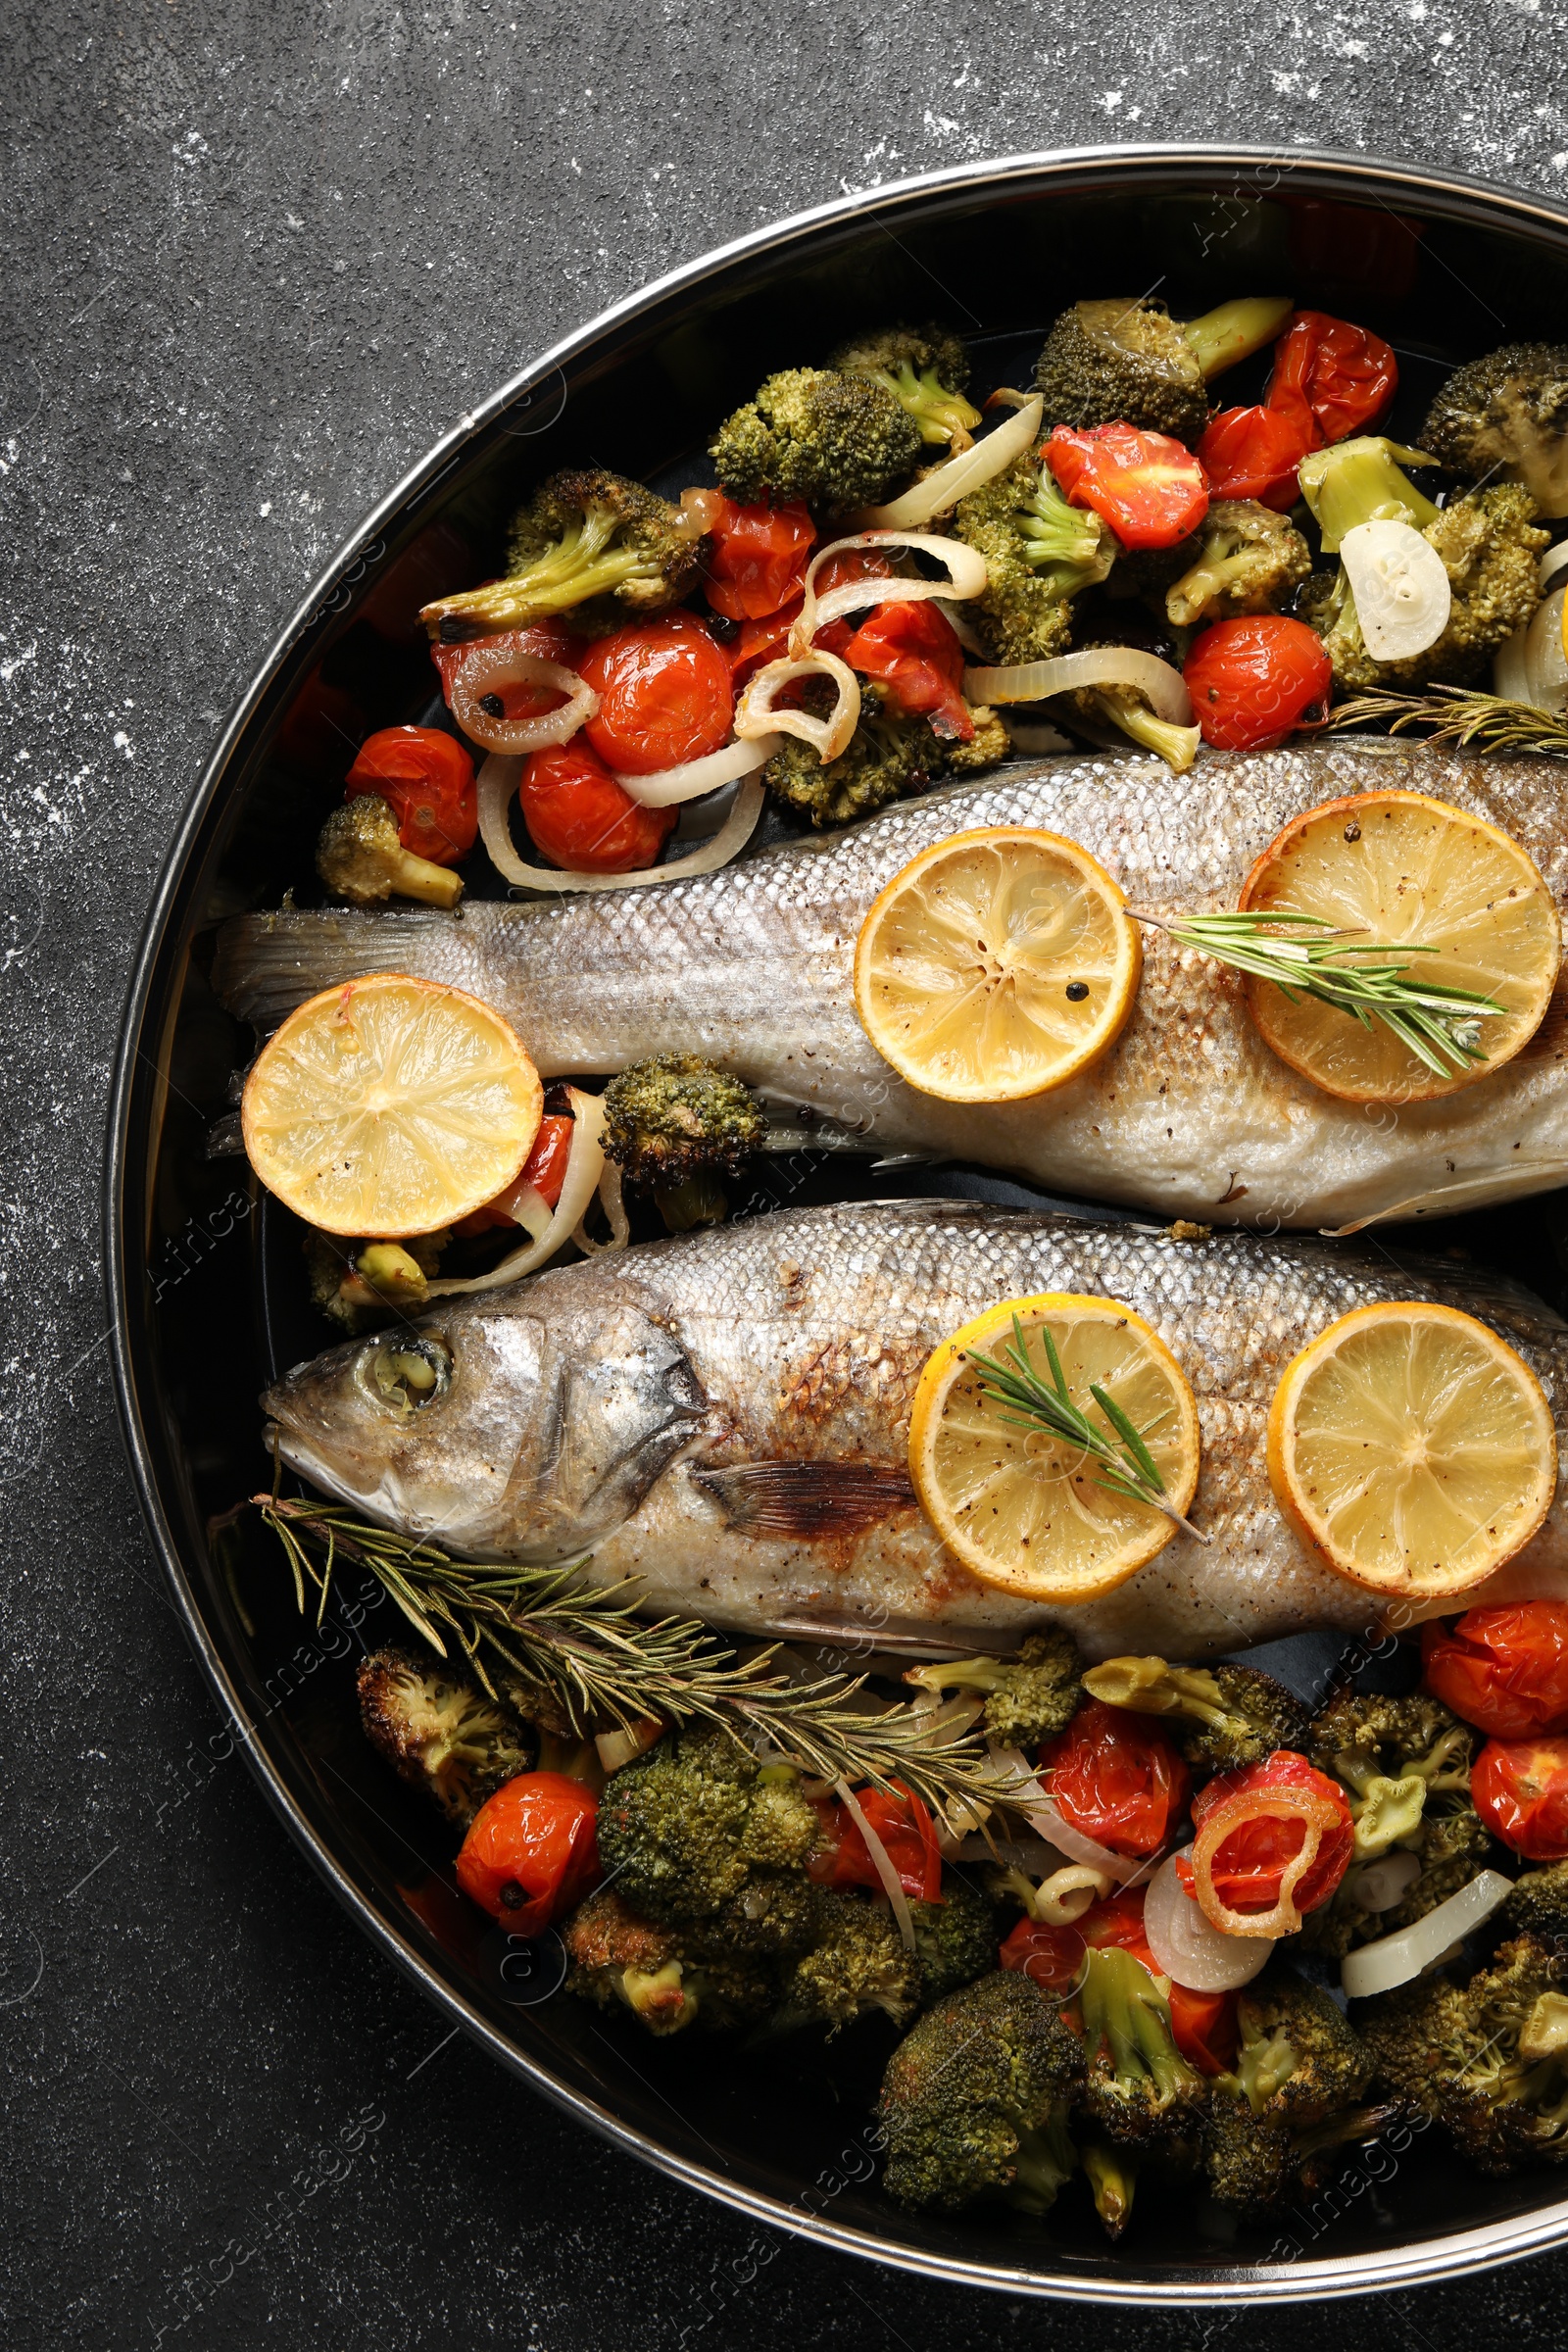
<point x="258" y="256"/>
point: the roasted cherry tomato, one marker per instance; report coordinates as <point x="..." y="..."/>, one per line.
<point x="530" y="1855"/>
<point x="1331" y="378"/>
<point x="427" y="779"/>
<point x="1204" y="2023"/>
<point x="1117" y="1778"/>
<point x="1503" y="1669"/>
<point x="1148" y="488"/>
<point x="916" y="652"/>
<point x="747" y="645"/>
<point x="1053" y="1957"/>
<point x="1254" y="680"/>
<point x="549" y="640"/>
<point x="664" y="695"/>
<point x="544" y="1169"/>
<point x="1253" y="453"/>
<point x="758" y="558"/>
<point x="844" y="1859"/>
<point x="1520" y="1789"/>
<point x="855" y="564"/>
<point x="1252" y="1861"/>
<point x="581" y="819"/>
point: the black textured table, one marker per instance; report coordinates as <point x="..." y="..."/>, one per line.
<point x="258" y="258"/>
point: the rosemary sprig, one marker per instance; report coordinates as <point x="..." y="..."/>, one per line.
<point x="1458" y="714"/>
<point x="583" y="1648"/>
<point x="1307" y="956"/>
<point x="1126" y="1465"/>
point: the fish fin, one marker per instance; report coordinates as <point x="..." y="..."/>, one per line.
<point x="267" y="964"/>
<point x="809" y="1499"/>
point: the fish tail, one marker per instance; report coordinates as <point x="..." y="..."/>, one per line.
<point x="267" y="964"/>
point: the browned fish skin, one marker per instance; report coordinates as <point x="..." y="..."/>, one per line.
<point x="1190" y="1115"/>
<point x="588" y="1404"/>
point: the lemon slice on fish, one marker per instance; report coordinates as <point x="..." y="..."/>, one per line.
<point x="390" y="1106"/>
<point x="1405" y="870"/>
<point x="1412" y="1449"/>
<point x="1022" y="1507"/>
<point x="997" y="964"/>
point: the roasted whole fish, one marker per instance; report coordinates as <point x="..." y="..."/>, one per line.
<point x="1190" y="1115"/>
<point x="726" y="1417"/>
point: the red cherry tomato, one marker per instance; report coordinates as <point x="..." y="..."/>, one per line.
<point x="581" y="819"/>
<point x="531" y="1854"/>
<point x="1148" y="488"/>
<point x="545" y="1169"/>
<point x="664" y="695"/>
<point x="1254" y="680"/>
<point x="915" y="651"/>
<point x="756" y="559"/>
<point x="1202" y="2023"/>
<point x="856" y="563"/>
<point x="1252" y="1861"/>
<point x="1520" y="1789"/>
<point x="1052" y="1957"/>
<point x="548" y="640"/>
<point x="1117" y="1778"/>
<point x="755" y="642"/>
<point x="1503" y="1669"/>
<point x="1331" y="378"/>
<point x="1253" y="453"/>
<point x="844" y="1859"/>
<point x="427" y="779"/>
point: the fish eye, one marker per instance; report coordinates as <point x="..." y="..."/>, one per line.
<point x="405" y="1373"/>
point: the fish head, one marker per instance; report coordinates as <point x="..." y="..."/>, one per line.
<point x="500" y="1434"/>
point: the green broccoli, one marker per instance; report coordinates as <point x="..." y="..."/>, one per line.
<point x="1039" y="552"/>
<point x="956" y="1940"/>
<point x="1448" y="1849"/>
<point x="889" y="756"/>
<point x="1130" y="711"/>
<point x="925" y="371"/>
<point x="858" y="1965"/>
<point x="1222" y="1716"/>
<point x="1140" y="2089"/>
<point x="698" y="1835"/>
<point x="1394" y="1757"/>
<point x="677" y="1123"/>
<point x="1298" y="2064"/>
<point x="440" y="1733"/>
<point x="1128" y="360"/>
<point x="661" y="1973"/>
<point x="1111" y="2173"/>
<point x="989" y="742"/>
<point x="1251" y="561"/>
<point x="1539" y="1906"/>
<point x="589" y="543"/>
<point x="1506" y="418"/>
<point x="1487" y="540"/>
<point x="834" y="440"/>
<point x="1487" y="2059"/>
<point x="975" y="2100"/>
<point x="1029" y="1697"/>
<point x="360" y="858"/>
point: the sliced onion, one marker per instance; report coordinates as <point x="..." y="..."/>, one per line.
<point x="688" y="782"/>
<point x="966" y="577"/>
<point x="621" y="1748"/>
<point x="1188" y="1947"/>
<point x="491" y="667"/>
<point x="942" y="489"/>
<point x="526" y="1205"/>
<point x="1510" y="676"/>
<point x="1401" y="587"/>
<point x="756" y="717"/>
<point x="1532" y="666"/>
<point x="1551" y="562"/>
<point x="1026" y="1797"/>
<point x="881" y="1863"/>
<point x="611" y="1199"/>
<point x="1068" y="1893"/>
<point x="1101" y="665"/>
<point x="498" y="781"/>
<point x="585" y="1165"/>
<point x="1395" y="1959"/>
<point x="1319" y="1814"/>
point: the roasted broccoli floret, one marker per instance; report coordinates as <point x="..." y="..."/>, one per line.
<point x="1251" y="561"/>
<point x="889" y="755"/>
<point x="1298" y="2064"/>
<point x="1112" y="2171"/>
<point x="926" y="373"/>
<point x="1221" y="1716"/>
<point x="956" y="1940"/>
<point x="1505" y="418"/>
<point x="440" y="1733"/>
<point x="1487" y="540"/>
<point x="698" y="1835"/>
<point x="589" y="543"/>
<point x="661" y="1973"/>
<point x="360" y="858"/>
<point x="1489" y="2059"/>
<point x="1028" y="1697"/>
<point x="856" y="1966"/>
<point x="1406" y="1767"/>
<point x="1140" y="2089"/>
<point x="678" y="1123"/>
<point x="1130" y="711"/>
<point x="975" y="2099"/>
<point x="1129" y="359"/>
<point x="989" y="742"/>
<point x="1039" y="552"/>
<point x="815" y="434"/>
<point x="1538" y="1907"/>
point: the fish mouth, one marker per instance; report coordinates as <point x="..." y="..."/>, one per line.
<point x="290" y="1446"/>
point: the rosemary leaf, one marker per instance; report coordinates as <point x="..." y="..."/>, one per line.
<point x="1459" y="715"/>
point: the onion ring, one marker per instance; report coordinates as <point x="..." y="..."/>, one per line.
<point x="1024" y="1792"/>
<point x="1318" y="1814"/>
<point x="585" y="1165"/>
<point x="942" y="489"/>
<point x="1101" y="665"/>
<point x="756" y="716"/>
<point x="498" y="781"/>
<point x="491" y="667"/>
<point x="1187" y="1945"/>
<point x="693" y="777"/>
<point x="966" y="577"/>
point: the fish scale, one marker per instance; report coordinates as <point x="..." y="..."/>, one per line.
<point x="635" y="1406"/>
<point x="1190" y="1115"/>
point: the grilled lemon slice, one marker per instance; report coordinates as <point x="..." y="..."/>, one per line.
<point x="1411" y="1449"/>
<point x="997" y="964"/>
<point x="1022" y="1508"/>
<point x="1407" y="870"/>
<point x="390" y="1106"/>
